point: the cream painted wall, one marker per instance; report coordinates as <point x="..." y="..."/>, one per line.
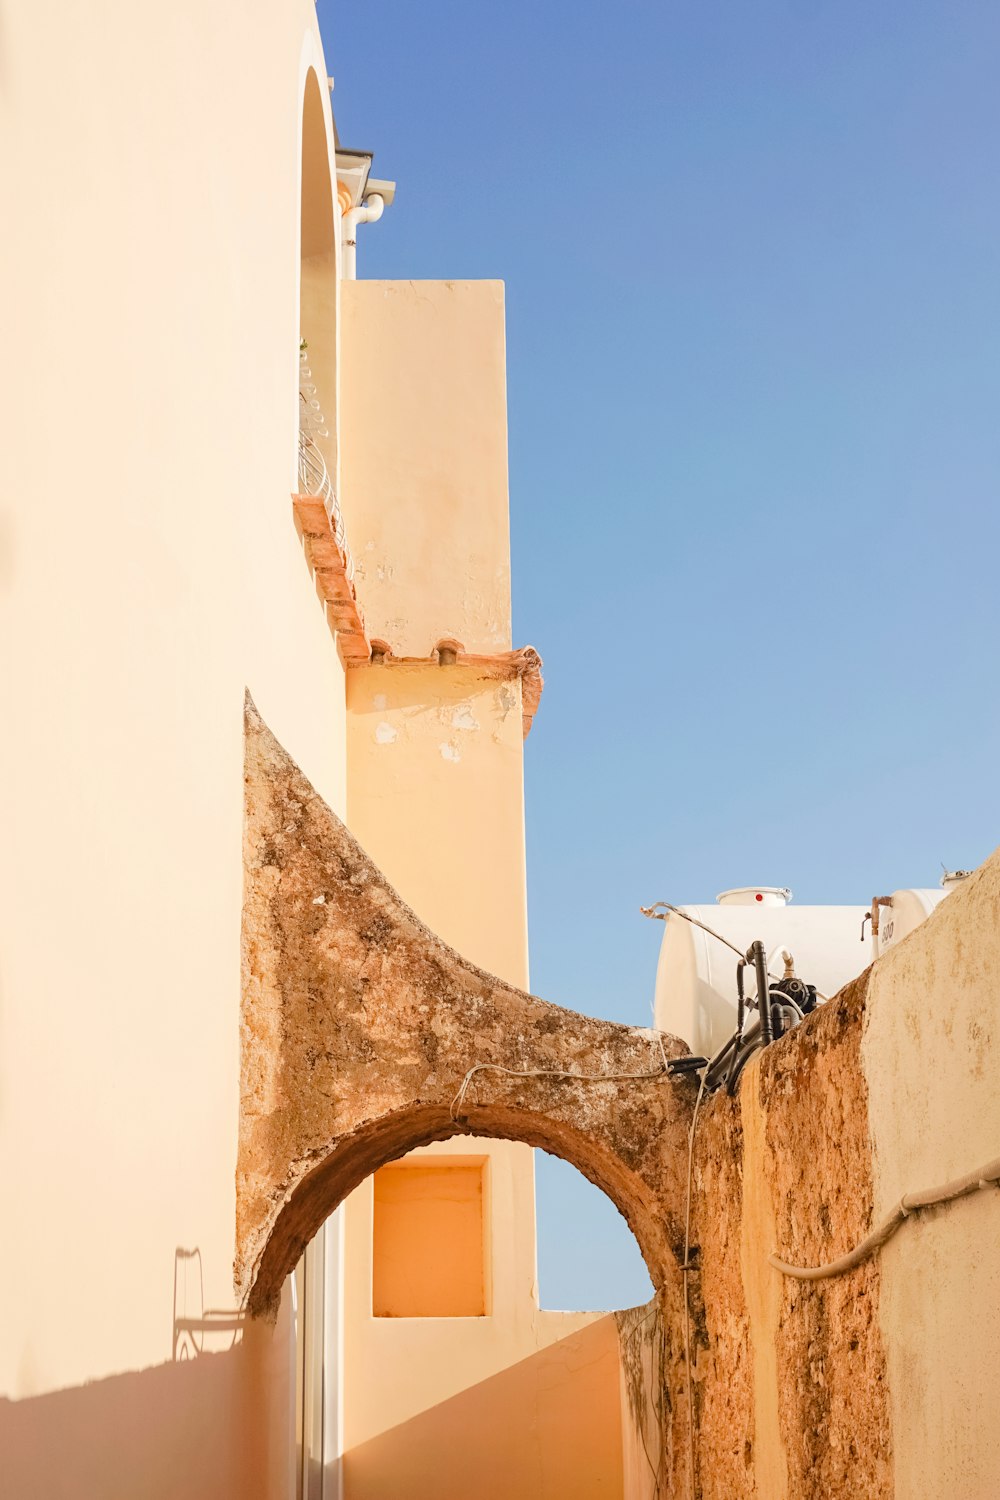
<point x="149" y="570"/>
<point x="525" y="1400"/>
<point x="424" y="460"/>
<point x="930" y="1057"/>
<point x="435" y="795"/>
<point x="451" y="1354"/>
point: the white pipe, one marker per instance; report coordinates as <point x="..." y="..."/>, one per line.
<point x="786" y="957"/>
<point x="366" y="213"/>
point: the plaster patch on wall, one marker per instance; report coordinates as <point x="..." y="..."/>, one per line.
<point x="463" y="718"/>
<point x="380" y="701"/>
<point x="385" y="734"/>
<point x="506" y="700"/>
<point x="449" y="752"/>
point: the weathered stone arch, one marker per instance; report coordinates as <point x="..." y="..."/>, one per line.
<point x="359" y="1026"/>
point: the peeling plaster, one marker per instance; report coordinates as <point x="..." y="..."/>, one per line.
<point x="386" y="734"/>
<point x="506" y="700"/>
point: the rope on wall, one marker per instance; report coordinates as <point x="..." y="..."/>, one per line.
<point x="959" y="1187"/>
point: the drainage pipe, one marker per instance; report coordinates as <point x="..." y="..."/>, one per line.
<point x="368" y="212"/>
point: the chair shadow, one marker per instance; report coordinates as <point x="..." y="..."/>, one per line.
<point x="195" y="1326"/>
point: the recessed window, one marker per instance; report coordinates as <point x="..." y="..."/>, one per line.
<point x="429" y="1244"/>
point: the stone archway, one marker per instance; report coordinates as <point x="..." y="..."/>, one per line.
<point x="359" y="1028"/>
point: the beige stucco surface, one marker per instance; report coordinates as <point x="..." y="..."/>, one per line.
<point x="435" y="795"/>
<point x="930" y="1058"/>
<point x="148" y="571"/>
<point x="424" y="460"/>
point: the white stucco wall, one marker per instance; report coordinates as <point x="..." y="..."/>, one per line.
<point x="930" y="1059"/>
<point x="149" y="570"/>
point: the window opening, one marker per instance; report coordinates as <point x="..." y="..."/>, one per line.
<point x="429" y="1239"/>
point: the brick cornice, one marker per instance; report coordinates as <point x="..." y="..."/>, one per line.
<point x="327" y="561"/>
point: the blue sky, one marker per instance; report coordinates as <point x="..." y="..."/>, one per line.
<point x="753" y="296"/>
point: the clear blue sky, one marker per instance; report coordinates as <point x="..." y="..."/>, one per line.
<point x="752" y="257"/>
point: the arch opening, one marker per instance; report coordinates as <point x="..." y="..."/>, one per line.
<point x="597" y="1265"/>
<point x="319" y="238"/>
<point x="317" y="226"/>
<point x="326" y="1186"/>
<point x="454" y="1376"/>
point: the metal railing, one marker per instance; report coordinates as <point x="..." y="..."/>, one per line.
<point x="314" y="476"/>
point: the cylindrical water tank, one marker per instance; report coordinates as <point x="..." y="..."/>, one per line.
<point x="696" y="975"/>
<point x="907" y="909"/>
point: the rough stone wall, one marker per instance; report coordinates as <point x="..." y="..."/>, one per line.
<point x="831" y="1363"/>
<point x="790" y="1376"/>
<point x="723" y="1372"/>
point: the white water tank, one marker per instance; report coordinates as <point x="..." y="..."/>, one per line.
<point x="696" y="974"/>
<point x="907" y="909"/>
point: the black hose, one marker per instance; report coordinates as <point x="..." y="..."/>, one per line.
<point x="758" y="958"/>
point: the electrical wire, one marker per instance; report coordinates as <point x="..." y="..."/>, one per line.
<point x="651" y="911"/>
<point x="959" y="1187"/>
<point x="459" y="1099"/>
<point x="659" y="916"/>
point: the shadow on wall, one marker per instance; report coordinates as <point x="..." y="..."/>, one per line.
<point x="193" y="1321"/>
<point x="194" y="1429"/>
<point x="645" y="1387"/>
<point x="546" y="1427"/>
